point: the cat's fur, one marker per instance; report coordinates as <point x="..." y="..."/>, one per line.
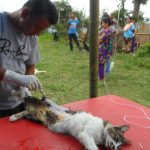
<point x="88" y="129"/>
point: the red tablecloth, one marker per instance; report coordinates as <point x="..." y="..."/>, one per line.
<point x="27" y="135"/>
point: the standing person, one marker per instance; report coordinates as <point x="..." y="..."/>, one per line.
<point x="83" y="38"/>
<point x="112" y="46"/>
<point x="104" y="46"/>
<point x="128" y="34"/>
<point x="19" y="51"/>
<point x="133" y="38"/>
<point x="55" y="35"/>
<point x="73" y="25"/>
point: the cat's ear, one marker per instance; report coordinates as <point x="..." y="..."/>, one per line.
<point x="123" y="128"/>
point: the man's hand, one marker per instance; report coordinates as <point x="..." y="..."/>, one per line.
<point x="29" y="81"/>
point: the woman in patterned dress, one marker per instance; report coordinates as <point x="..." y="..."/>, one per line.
<point x="104" y="50"/>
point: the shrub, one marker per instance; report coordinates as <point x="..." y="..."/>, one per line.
<point x="144" y="51"/>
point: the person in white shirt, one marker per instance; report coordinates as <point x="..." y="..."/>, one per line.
<point x="19" y="51"/>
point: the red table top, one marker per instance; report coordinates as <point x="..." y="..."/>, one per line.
<point x="27" y="135"/>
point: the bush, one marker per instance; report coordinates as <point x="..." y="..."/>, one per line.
<point x="142" y="57"/>
<point x="62" y="30"/>
<point x="144" y="51"/>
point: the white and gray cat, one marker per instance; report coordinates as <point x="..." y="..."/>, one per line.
<point x="88" y="129"/>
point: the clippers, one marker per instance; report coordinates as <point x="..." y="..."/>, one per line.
<point x="44" y="96"/>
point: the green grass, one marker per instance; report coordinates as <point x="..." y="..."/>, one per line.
<point x="67" y="74"/>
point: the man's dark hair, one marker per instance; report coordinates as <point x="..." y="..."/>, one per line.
<point x="43" y="7"/>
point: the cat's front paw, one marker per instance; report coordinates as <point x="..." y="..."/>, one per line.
<point x="12" y="118"/>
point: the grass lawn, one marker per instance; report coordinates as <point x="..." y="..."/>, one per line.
<point x="67" y="74"/>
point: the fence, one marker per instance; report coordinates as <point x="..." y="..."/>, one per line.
<point x="143" y="33"/>
<point x="143" y="28"/>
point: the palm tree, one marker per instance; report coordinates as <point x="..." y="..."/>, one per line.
<point x="122" y="4"/>
<point x="137" y="4"/>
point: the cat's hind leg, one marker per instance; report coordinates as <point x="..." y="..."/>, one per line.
<point x="18" y="116"/>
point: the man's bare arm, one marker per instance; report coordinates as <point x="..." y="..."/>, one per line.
<point x="2" y="72"/>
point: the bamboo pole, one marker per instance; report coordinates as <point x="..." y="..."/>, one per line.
<point x="93" y="59"/>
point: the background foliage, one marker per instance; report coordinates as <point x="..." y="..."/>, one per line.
<point x="67" y="73"/>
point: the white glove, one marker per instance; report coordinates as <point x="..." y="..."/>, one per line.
<point x="29" y="81"/>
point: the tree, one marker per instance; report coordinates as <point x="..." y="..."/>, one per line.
<point x="137" y="4"/>
<point x="122" y="2"/>
<point x="80" y="14"/>
<point x="123" y="12"/>
<point x="64" y="9"/>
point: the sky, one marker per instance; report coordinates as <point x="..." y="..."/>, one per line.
<point x="109" y="5"/>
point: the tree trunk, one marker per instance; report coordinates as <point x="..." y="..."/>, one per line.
<point x="93" y="60"/>
<point x="136" y="9"/>
<point x="122" y="4"/>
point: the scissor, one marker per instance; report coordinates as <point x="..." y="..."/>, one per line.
<point x="44" y="96"/>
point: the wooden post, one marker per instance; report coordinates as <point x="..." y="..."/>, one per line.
<point x="93" y="59"/>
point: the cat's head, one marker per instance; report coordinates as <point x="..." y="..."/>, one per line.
<point x="36" y="102"/>
<point x="33" y="104"/>
<point x="37" y="109"/>
<point x="114" y="137"/>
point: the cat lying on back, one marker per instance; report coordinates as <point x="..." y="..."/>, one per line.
<point x="88" y="129"/>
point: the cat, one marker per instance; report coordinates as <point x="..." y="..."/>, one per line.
<point x="87" y="128"/>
